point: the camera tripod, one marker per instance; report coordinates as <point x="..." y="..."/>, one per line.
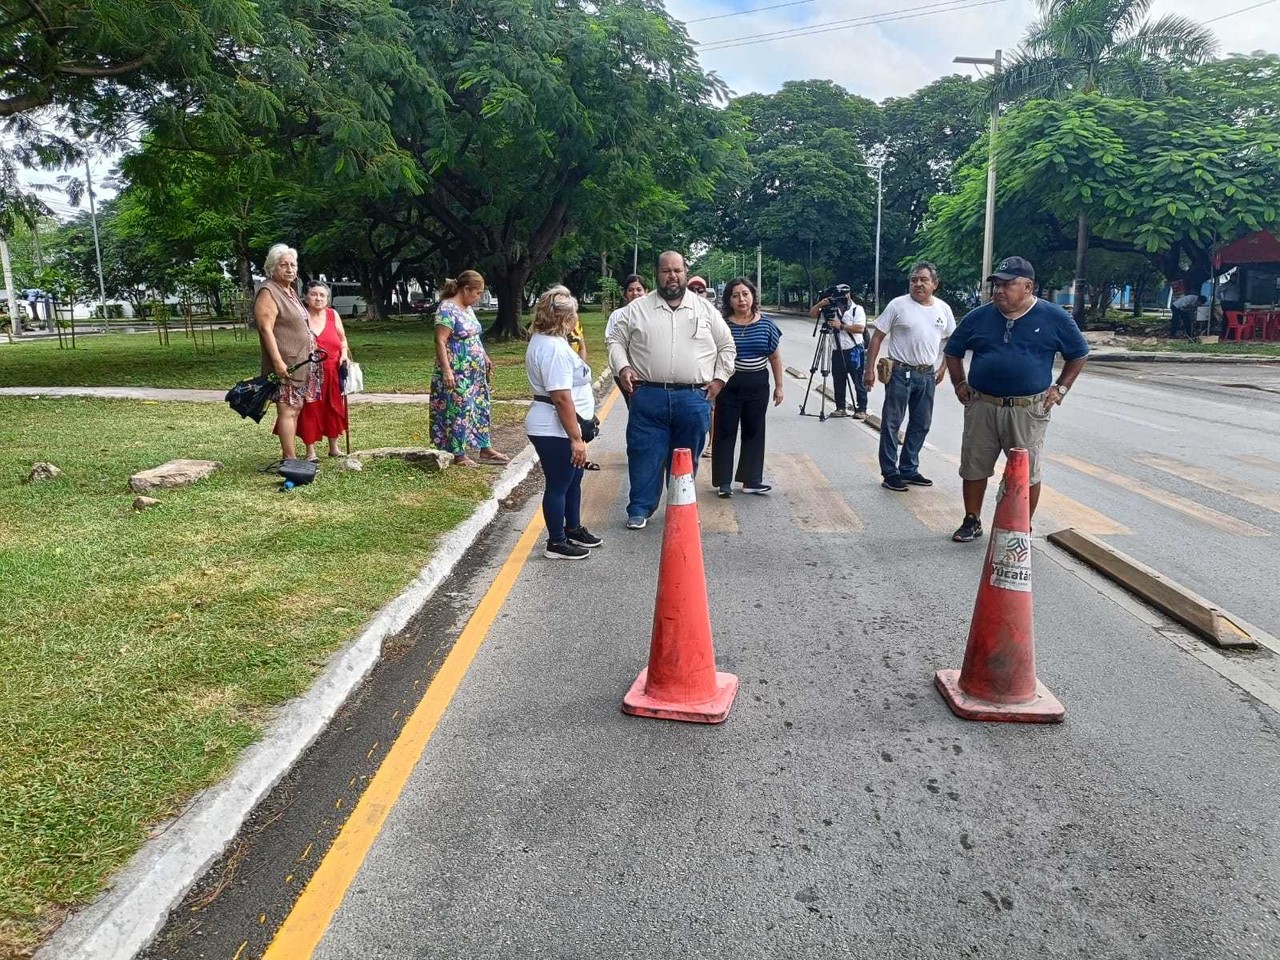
<point x="822" y="362"/>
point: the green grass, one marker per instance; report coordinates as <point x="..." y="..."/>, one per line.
<point x="142" y="651"/>
<point x="396" y="356"/>
<point x="1221" y="349"/>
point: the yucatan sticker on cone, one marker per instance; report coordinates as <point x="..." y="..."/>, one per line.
<point x="1011" y="560"/>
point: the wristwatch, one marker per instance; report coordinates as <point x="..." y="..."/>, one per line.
<point x="1061" y="389"/>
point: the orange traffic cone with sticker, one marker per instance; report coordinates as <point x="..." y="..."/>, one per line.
<point x="998" y="678"/>
<point x="681" y="682"/>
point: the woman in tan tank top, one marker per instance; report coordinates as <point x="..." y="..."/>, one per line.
<point x="286" y="340"/>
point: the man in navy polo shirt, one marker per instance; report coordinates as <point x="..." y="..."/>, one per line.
<point x="1010" y="390"/>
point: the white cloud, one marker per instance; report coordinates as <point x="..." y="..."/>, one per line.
<point x="893" y="59"/>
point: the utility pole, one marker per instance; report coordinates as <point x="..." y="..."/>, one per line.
<point x="97" y="246"/>
<point x="635" y="252"/>
<point x="759" y="274"/>
<point x="989" y="230"/>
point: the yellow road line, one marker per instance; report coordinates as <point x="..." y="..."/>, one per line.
<point x="307" y="922"/>
<point x="1259" y="497"/>
<point x="816" y="505"/>
<point x="1184" y="506"/>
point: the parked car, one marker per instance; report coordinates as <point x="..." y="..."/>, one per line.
<point x="347" y="298"/>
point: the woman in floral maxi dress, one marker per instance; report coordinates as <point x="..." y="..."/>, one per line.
<point x="460" y="385"/>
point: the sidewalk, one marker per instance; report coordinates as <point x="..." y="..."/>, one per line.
<point x="196" y="396"/>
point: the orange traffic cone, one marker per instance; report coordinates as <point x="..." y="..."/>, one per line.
<point x="681" y="682"/>
<point x="998" y="679"/>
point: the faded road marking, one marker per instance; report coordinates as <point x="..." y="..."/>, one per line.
<point x="816" y="505"/>
<point x="1259" y="497"/>
<point x="1184" y="506"/>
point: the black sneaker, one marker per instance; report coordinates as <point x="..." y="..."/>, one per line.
<point x="971" y="529"/>
<point x="725" y="492"/>
<point x="582" y="537"/>
<point x="919" y="480"/>
<point x="565" y="551"/>
<point x="894" y="483"/>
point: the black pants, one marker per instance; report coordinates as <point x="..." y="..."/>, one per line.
<point x="846" y="364"/>
<point x="743" y="402"/>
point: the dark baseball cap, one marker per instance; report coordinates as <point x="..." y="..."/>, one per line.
<point x="1011" y="267"/>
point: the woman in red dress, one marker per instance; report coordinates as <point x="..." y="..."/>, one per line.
<point x="327" y="416"/>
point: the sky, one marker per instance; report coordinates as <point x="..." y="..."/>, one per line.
<point x="894" y="59"/>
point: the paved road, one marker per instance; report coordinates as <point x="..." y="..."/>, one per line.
<point x="841" y="811"/>
<point x="1177" y="465"/>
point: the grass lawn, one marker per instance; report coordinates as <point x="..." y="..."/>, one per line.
<point x="396" y="356"/>
<point x="1222" y="349"/>
<point x="142" y="651"/>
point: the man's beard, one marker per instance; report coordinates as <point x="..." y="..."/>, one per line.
<point x="674" y="290"/>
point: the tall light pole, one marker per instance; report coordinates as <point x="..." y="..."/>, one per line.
<point x="989" y="231"/>
<point x="97" y="246"/>
<point x="879" y="169"/>
<point x="635" y="252"/>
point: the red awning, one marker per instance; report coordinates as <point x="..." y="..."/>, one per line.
<point x="1260" y="247"/>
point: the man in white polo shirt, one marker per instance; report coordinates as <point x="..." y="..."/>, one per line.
<point x="917" y="326"/>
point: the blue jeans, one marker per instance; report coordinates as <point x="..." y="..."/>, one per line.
<point x="845" y="364"/>
<point x="562" y="496"/>
<point x="908" y="392"/>
<point x="661" y="421"/>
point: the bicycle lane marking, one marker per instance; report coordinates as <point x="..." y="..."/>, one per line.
<point x="313" y="911"/>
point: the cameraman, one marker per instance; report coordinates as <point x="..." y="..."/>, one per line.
<point x="847" y="356"/>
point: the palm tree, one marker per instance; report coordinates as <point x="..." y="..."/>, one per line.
<point x="1107" y="47"/>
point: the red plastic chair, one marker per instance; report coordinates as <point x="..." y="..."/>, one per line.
<point x="1271" y="330"/>
<point x="1258" y="320"/>
<point x="1239" y="326"/>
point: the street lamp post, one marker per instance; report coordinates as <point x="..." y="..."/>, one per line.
<point x="989" y="229"/>
<point x="879" y="169"/>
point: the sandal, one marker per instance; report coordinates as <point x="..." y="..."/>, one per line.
<point x="464" y="462"/>
<point x="591" y="465"/>
<point x="489" y="455"/>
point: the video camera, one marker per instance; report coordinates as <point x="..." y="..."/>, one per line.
<point x="840" y="297"/>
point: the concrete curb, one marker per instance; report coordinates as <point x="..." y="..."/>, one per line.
<point x="1138" y="356"/>
<point x="132" y="911"/>
<point x="1188" y="608"/>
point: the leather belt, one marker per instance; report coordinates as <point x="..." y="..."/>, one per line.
<point x="1011" y="401"/>
<point x="671" y="386"/>
<point x="917" y="367"/>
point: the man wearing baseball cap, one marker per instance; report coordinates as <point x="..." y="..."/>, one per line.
<point x="698" y="286"/>
<point x="1010" y="390"/>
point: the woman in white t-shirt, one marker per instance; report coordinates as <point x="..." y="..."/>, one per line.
<point x="562" y="401"/>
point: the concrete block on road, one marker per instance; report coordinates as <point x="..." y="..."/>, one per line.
<point x="1193" y="611"/>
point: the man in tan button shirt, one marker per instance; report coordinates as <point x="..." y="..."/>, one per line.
<point x="673" y="353"/>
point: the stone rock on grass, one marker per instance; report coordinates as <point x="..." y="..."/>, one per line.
<point x="432" y="461"/>
<point x="145" y="503"/>
<point x="41" y="471"/>
<point x="351" y="463"/>
<point x="175" y="473"/>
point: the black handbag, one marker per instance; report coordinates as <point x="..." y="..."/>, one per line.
<point x="590" y="428"/>
<point x="301" y="472"/>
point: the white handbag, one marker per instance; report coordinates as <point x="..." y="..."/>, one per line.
<point x="355" y="379"/>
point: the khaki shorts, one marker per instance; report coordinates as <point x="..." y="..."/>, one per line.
<point x="990" y="430"/>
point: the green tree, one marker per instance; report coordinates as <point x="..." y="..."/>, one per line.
<point x="553" y="112"/>
<point x="1168" y="180"/>
<point x="1105" y="47"/>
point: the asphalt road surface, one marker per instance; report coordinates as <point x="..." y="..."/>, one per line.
<point x="842" y="810"/>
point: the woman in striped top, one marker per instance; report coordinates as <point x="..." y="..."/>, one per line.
<point x="745" y="399"/>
